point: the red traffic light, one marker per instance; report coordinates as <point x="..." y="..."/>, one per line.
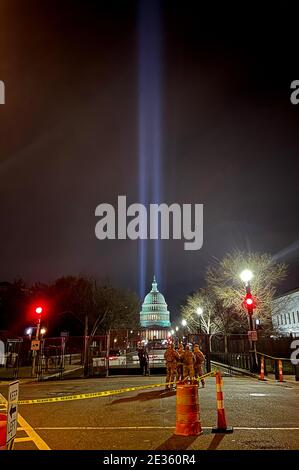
<point x="249" y="302"/>
<point x="38" y="310"/>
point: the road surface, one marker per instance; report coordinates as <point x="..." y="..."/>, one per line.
<point x="265" y="415"/>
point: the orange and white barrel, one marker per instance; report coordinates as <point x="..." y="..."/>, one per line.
<point x="187" y="411"/>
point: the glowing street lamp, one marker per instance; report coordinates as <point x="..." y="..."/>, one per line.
<point x="184" y="322"/>
<point x="43" y="331"/>
<point x="176" y="328"/>
<point x="246" y="275"/>
<point x="199" y="311"/>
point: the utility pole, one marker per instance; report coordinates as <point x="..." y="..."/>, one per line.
<point x="107" y="353"/>
<point x="38" y="310"/>
<point x="85" y="356"/>
<point x="252" y="343"/>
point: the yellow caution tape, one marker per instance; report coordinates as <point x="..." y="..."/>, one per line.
<point x="275" y="358"/>
<point x="106" y="393"/>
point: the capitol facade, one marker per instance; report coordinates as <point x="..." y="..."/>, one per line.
<point x="154" y="315"/>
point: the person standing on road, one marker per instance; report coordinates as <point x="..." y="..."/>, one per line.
<point x="143" y="360"/>
<point x="171" y="358"/>
<point x="199" y="362"/>
<point x="188" y="363"/>
<point x="179" y="369"/>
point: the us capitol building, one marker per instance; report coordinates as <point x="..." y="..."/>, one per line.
<point x="154" y="316"/>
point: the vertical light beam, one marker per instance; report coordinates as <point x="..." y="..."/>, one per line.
<point x="149" y="68"/>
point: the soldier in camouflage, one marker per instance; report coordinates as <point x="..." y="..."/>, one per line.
<point x="171" y="358"/>
<point x="199" y="362"/>
<point x="188" y="363"/>
<point x="179" y="369"/>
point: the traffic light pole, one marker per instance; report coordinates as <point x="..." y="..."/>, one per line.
<point x="252" y="344"/>
<point x="35" y="352"/>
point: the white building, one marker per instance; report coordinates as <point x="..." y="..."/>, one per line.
<point x="285" y="314"/>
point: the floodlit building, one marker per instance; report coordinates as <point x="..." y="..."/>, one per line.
<point x="154" y="315"/>
<point x="285" y="313"/>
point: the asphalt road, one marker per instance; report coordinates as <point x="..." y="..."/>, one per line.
<point x="265" y="415"/>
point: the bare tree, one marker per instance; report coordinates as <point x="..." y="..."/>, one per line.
<point x="215" y="319"/>
<point x="224" y="281"/>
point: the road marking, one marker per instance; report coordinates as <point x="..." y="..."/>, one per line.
<point x="38" y="441"/>
<point x="31" y="434"/>
<point x="137" y="428"/>
<point x="23" y="439"/>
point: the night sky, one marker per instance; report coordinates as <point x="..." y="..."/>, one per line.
<point x="70" y="127"/>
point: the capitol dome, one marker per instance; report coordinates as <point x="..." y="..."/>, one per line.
<point x="154" y="311"/>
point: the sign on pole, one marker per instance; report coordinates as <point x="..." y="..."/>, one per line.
<point x="252" y="335"/>
<point x="35" y="345"/>
<point x="12" y="413"/>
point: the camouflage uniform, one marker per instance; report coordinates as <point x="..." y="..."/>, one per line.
<point x="188" y="363"/>
<point x="179" y="369"/>
<point x="199" y="361"/>
<point x="171" y="357"/>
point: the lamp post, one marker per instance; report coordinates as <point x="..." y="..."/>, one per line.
<point x="38" y="311"/>
<point x="199" y="312"/>
<point x="184" y="324"/>
<point x="206" y="336"/>
<point x="246" y="277"/>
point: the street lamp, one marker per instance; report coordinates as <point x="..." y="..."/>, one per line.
<point x="43" y="331"/>
<point x="199" y="312"/>
<point x="184" y="324"/>
<point x="246" y="276"/>
<point x="176" y="328"/>
<point x="29" y="332"/>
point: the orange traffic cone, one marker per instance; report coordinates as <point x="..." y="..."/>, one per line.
<point x="262" y="373"/>
<point x="187" y="411"/>
<point x="280" y="370"/>
<point x="221" y="419"/>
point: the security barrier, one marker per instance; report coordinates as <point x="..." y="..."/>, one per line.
<point x="275" y="365"/>
<point x="187" y="411"/>
<point x="188" y="408"/>
<point x="262" y="372"/>
<point x="221" y="418"/>
<point x="280" y="370"/>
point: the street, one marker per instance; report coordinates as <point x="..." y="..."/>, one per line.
<point x="264" y="415"/>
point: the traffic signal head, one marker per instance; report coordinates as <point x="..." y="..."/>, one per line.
<point x="38" y="310"/>
<point x="249" y="302"/>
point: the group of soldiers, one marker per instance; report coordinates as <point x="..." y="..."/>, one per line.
<point x="183" y="363"/>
